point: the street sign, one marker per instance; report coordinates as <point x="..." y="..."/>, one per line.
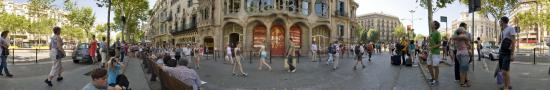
<point x="443" y="19"/>
<point x="474" y="5"/>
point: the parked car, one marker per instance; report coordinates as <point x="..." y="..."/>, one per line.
<point x="81" y="53"/>
<point x="490" y="51"/>
<point x="542" y="46"/>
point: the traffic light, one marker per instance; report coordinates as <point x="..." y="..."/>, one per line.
<point x="474" y="5"/>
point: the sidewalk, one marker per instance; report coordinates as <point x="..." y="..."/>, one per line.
<point x="524" y="76"/>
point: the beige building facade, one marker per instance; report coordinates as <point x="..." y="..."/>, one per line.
<point x="384" y="23"/>
<point x="275" y="24"/>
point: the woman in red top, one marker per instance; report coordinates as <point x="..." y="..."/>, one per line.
<point x="92" y="49"/>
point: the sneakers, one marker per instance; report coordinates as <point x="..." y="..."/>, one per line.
<point x="9" y="75"/>
<point x="363" y="66"/>
<point x="434" y="83"/>
<point x="293" y="70"/>
<point x="354" y="68"/>
<point x="48" y="82"/>
<point x="59" y="78"/>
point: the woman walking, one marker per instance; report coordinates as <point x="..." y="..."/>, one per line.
<point x="56" y="54"/>
<point x="263" y="57"/>
<point x="237" y="59"/>
<point x="198" y="54"/>
<point x="4" y="45"/>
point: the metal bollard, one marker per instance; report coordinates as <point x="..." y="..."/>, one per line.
<point x="36" y="56"/>
<point x="13" y="56"/>
<point x="534" y="56"/>
<point x="250" y="56"/>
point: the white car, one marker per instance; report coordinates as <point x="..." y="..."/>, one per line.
<point x="490" y="51"/>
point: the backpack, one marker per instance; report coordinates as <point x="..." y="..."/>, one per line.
<point x="357" y="49"/>
<point x="331" y="50"/>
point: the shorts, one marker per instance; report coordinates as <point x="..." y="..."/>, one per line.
<point x="434" y="60"/>
<point x="359" y="57"/>
<point x="464" y="62"/>
<point x="504" y="62"/>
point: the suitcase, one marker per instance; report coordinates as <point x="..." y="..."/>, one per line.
<point x="395" y="60"/>
<point x="408" y="61"/>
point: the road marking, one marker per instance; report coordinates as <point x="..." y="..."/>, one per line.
<point x="485" y="65"/>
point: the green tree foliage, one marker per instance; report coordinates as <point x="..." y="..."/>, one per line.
<point x="399" y="31"/>
<point x="134" y="11"/>
<point x="496" y="8"/>
<point x="36" y="7"/>
<point x="428" y="4"/>
<point x="13" y="22"/>
<point x="419" y="37"/>
<point x="373" y="35"/>
<point x="82" y="18"/>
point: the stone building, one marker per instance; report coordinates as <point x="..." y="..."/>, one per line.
<point x="252" y="23"/>
<point x="385" y="24"/>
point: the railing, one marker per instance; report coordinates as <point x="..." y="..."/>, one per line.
<point x="26" y="53"/>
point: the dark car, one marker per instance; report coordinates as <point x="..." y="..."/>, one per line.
<point x="81" y="53"/>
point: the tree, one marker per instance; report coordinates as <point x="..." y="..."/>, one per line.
<point x="373" y="35"/>
<point x="431" y="9"/>
<point x="134" y="11"/>
<point x="496" y="8"/>
<point x="399" y="31"/>
<point x="419" y="37"/>
<point x="13" y="23"/>
<point x="82" y="18"/>
<point x="36" y="7"/>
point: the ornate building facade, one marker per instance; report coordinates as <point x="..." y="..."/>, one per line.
<point x="275" y="24"/>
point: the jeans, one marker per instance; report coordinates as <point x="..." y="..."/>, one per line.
<point x="479" y="54"/>
<point x="4" y="65"/>
<point x="330" y="58"/>
<point x="121" y="56"/>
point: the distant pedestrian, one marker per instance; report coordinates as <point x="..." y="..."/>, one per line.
<point x="359" y="50"/>
<point x="236" y="50"/>
<point x="228" y="54"/>
<point x="4" y="50"/>
<point x="291" y="56"/>
<point x="412" y="52"/>
<point x="434" y="56"/>
<point x="479" y="47"/>
<point x="314" y="52"/>
<point x="263" y="58"/>
<point x="99" y="80"/>
<point x="370" y="50"/>
<point x="331" y="51"/>
<point x="56" y="54"/>
<point x="103" y="51"/>
<point x="92" y="49"/>
<point x="507" y="48"/>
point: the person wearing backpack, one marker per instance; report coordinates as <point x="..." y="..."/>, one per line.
<point x="359" y="52"/>
<point x="4" y="45"/>
<point x="370" y="49"/>
<point x="479" y="47"/>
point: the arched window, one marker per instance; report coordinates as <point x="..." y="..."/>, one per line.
<point x="340" y="7"/>
<point x="291" y="5"/>
<point x="279" y="4"/>
<point x="321" y="8"/>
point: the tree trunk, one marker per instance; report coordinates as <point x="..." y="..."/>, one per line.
<point x="430" y="15"/>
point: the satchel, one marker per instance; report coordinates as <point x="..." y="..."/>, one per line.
<point x="60" y="55"/>
<point x="500" y="78"/>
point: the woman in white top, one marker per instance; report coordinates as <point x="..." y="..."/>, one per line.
<point x="228" y="56"/>
<point x="263" y="58"/>
<point x="56" y="54"/>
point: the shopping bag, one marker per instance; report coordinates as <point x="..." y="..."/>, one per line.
<point x="500" y="78"/>
<point x="285" y="63"/>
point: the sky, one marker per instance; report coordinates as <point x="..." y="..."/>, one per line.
<point x="399" y="8"/>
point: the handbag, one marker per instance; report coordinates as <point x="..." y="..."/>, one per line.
<point x="60" y="55"/>
<point x="500" y="78"/>
<point x="5" y="51"/>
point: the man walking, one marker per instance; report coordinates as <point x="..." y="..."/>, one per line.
<point x="4" y="52"/>
<point x="506" y="52"/>
<point x="314" y="50"/>
<point x="359" y="50"/>
<point x="103" y="51"/>
<point x="479" y="47"/>
<point x="434" y="58"/>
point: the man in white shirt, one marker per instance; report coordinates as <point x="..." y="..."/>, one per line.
<point x="314" y="50"/>
<point x="4" y="43"/>
<point x="506" y="52"/>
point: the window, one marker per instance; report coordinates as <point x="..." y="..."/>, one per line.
<point x="321" y="8"/>
<point x="232" y="6"/>
<point x="305" y="7"/>
<point x="253" y="5"/>
<point x="340" y="8"/>
<point x="266" y="4"/>
<point x="279" y="4"/>
<point x="341" y="29"/>
<point x="205" y="13"/>
<point x="189" y="3"/>
<point x="291" y="5"/>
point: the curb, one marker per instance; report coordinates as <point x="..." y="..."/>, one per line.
<point x="424" y="70"/>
